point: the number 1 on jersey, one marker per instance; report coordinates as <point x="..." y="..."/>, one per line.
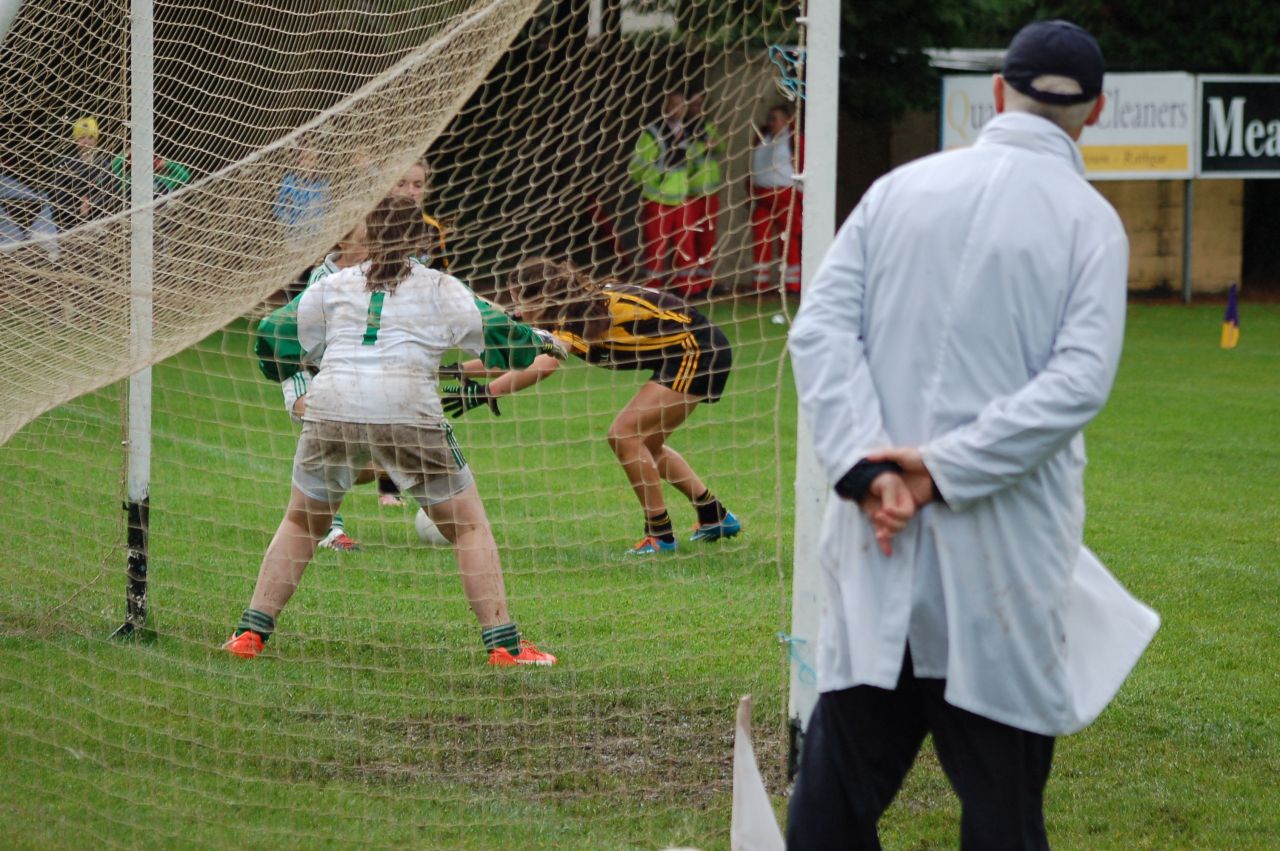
<point x="375" y="318"/>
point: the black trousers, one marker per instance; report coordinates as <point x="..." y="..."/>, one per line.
<point x="862" y="741"/>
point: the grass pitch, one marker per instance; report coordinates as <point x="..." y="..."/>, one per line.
<point x="372" y="720"/>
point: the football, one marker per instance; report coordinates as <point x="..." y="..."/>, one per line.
<point x="427" y="531"/>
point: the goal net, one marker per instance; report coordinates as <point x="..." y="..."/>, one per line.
<point x="372" y="715"/>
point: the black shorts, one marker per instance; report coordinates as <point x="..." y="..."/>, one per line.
<point x="700" y="369"/>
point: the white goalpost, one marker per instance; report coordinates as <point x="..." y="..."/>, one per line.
<point x="141" y="268"/>
<point x="821" y="109"/>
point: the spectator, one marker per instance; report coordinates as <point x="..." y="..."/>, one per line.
<point x="660" y="165"/>
<point x="775" y="210"/>
<point x="303" y="197"/>
<point x="706" y="146"/>
<point x="25" y="213"/>
<point x="970" y="311"/>
<point x="83" y="182"/>
<point x="167" y="175"/>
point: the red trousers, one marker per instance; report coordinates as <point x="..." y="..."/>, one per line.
<point x="775" y="213"/>
<point x="703" y="213"/>
<point x="666" y="232"/>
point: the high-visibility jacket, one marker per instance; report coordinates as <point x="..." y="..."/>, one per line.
<point x="706" y="146"/>
<point x="660" y="165"/>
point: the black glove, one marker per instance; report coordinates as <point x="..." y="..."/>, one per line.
<point x="853" y="484"/>
<point x="457" y="400"/>
<point x="450" y="371"/>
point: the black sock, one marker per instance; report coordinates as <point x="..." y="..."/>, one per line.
<point x="709" y="509"/>
<point x="255" y="621"/>
<point x="386" y="485"/>
<point x="503" y="635"/>
<point x="659" y="526"/>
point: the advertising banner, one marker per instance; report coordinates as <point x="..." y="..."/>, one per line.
<point x="1146" y="130"/>
<point x="1239" y="126"/>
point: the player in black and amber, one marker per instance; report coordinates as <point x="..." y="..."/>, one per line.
<point x="620" y="326"/>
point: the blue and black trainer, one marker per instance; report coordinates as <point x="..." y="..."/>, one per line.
<point x="726" y="528"/>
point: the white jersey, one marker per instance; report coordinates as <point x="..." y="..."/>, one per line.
<point x="381" y="350"/>
<point x="771" y="162"/>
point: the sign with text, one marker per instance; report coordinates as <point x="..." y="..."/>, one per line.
<point x="1146" y="130"/>
<point x="1239" y="126"/>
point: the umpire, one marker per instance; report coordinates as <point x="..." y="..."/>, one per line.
<point x="964" y="327"/>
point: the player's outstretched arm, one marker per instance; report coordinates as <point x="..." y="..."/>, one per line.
<point x="467" y="394"/>
<point x="509" y="344"/>
<point x="516" y="380"/>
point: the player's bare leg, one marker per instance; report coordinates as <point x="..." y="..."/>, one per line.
<point x="651" y="414"/>
<point x="671" y="410"/>
<point x="671" y="465"/>
<point x="294" y="544"/>
<point x="463" y="522"/>
<point x="639" y="429"/>
<point x="305" y="521"/>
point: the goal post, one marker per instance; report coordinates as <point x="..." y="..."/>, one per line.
<point x="137" y="504"/>
<point x="821" y="111"/>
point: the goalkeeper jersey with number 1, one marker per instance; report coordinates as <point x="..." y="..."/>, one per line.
<point x="381" y="350"/>
<point x="507" y="344"/>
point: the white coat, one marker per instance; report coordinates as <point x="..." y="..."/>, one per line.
<point x="973" y="306"/>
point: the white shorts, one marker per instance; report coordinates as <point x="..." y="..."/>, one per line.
<point x="425" y="462"/>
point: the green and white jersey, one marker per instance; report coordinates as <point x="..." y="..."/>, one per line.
<point x="276" y="339"/>
<point x="507" y="344"/>
<point x="382" y="350"/>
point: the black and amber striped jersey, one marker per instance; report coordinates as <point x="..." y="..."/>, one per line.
<point x="432" y="253"/>
<point x="646" y="329"/>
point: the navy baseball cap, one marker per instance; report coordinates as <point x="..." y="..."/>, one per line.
<point x="1058" y="48"/>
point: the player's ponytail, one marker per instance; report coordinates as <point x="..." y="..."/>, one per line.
<point x="556" y="295"/>
<point x="395" y="231"/>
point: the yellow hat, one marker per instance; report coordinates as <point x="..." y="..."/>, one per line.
<point x="85" y="127"/>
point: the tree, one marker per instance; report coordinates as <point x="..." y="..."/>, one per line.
<point x="884" y="70"/>
<point x="1166" y="35"/>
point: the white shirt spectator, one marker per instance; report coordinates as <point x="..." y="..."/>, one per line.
<point x="25" y="215"/>
<point x="771" y="162"/>
<point x="990" y="346"/>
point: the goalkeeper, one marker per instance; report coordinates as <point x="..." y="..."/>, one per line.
<point x="620" y="326"/>
<point x="280" y="354"/>
<point x="381" y="328"/>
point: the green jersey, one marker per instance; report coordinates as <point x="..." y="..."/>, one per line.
<point x="165" y="179"/>
<point x="706" y="147"/>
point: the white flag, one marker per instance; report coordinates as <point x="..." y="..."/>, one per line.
<point x="753" y="827"/>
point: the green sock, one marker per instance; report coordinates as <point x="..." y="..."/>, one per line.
<point x="255" y="621"/>
<point x="503" y="635"/>
<point x="337" y="522"/>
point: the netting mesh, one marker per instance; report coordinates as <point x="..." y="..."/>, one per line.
<point x="372" y="717"/>
<point x="371" y="88"/>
